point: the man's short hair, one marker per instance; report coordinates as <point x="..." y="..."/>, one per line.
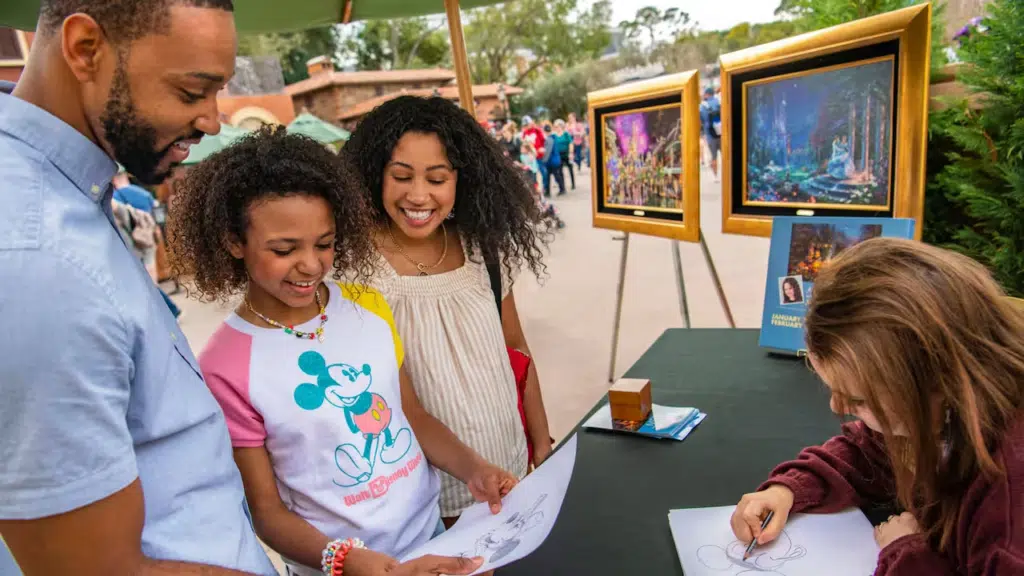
<point x="122" y="20"/>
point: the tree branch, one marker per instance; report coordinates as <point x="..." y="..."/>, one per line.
<point x="540" y="61"/>
<point x="416" y="45"/>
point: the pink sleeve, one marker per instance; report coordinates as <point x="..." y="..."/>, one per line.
<point x="225" y="365"/>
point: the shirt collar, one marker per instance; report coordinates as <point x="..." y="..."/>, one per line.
<point x="84" y="163"/>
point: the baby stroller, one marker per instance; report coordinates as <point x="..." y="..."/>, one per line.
<point x="547" y="209"/>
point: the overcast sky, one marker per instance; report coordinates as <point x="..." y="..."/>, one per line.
<point x="710" y="14"/>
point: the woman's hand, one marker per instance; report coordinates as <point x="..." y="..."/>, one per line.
<point x="362" y="562"/>
<point x="490" y="484"/>
<point x="895" y="528"/>
<point x="750" y="512"/>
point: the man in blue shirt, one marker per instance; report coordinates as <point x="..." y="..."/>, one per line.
<point x="135" y="196"/>
<point x="711" y="126"/>
<point x="116" y="458"/>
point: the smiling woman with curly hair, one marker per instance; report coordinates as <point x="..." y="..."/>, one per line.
<point x="453" y="212"/>
<point x="309" y="373"/>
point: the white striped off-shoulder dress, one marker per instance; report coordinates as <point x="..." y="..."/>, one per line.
<point x="456" y="357"/>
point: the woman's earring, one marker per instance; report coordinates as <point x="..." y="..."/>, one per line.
<point x="451" y="215"/>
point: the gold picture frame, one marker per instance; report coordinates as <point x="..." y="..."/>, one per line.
<point x="873" y="172"/>
<point x="634" y="199"/>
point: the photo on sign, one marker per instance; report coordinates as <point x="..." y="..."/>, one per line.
<point x="821" y="139"/>
<point x="645" y="157"/>
<point x="832" y="123"/>
<point x="811" y="246"/>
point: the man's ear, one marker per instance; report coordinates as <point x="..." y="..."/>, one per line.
<point x="84" y="46"/>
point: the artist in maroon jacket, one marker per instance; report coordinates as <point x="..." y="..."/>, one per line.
<point x="922" y="347"/>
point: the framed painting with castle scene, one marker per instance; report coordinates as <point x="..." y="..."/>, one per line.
<point x="645" y="157"/>
<point x="831" y="123"/>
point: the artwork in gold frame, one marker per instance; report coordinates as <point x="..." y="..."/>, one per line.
<point x="830" y="123"/>
<point x="645" y="157"/>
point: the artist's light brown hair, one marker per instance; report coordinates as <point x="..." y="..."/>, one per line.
<point x="920" y="334"/>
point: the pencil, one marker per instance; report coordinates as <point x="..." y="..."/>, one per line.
<point x="764" y="524"/>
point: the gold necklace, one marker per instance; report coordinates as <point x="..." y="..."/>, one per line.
<point x="318" y="333"/>
<point x="423" y="268"/>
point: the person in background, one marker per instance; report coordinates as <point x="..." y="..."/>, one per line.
<point x="116" y="457"/>
<point x="711" y="127"/>
<point x="453" y="213"/>
<point x="533" y="134"/>
<point x="922" y="347"/>
<point x="565" y="150"/>
<point x="579" y="139"/>
<point x="135" y="216"/>
<point x="510" y="140"/>
<point x="551" y="163"/>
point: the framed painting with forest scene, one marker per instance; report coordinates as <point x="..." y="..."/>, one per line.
<point x="645" y="157"/>
<point x="830" y="123"/>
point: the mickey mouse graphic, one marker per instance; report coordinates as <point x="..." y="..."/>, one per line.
<point x="501" y="541"/>
<point x="766" y="560"/>
<point x="366" y="413"/>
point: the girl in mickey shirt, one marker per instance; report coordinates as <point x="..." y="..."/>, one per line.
<point x="335" y="450"/>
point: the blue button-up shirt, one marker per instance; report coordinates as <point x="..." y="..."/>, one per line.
<point x="98" y="386"/>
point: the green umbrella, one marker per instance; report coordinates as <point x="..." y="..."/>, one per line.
<point x="252" y="16"/>
<point x="275" y="15"/>
<point x="210" y="145"/>
<point x="325" y="132"/>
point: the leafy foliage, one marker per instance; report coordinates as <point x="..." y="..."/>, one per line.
<point x="976" y="188"/>
<point x="513" y="42"/>
<point x="293" y="48"/>
<point x="398" y="44"/>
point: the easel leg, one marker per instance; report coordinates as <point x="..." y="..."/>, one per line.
<point x="680" y="284"/>
<point x="618" y="304"/>
<point x="716" y="281"/>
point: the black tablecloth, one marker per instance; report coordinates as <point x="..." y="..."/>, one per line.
<point x="762" y="409"/>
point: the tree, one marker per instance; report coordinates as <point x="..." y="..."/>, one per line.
<point x="510" y="43"/>
<point x="654" y="23"/>
<point x="811" y="15"/>
<point x="294" y="49"/>
<point x="981" y="181"/>
<point x="396" y="44"/>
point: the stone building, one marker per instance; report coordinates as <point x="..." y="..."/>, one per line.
<point x="327" y="93"/>
<point x="14" y="46"/>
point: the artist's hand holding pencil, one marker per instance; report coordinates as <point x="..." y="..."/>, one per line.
<point x="760" y="516"/>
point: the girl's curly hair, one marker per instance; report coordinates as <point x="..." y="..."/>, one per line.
<point x="210" y="207"/>
<point x="495" y="210"/>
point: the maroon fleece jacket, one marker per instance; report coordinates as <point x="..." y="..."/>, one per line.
<point x="853" y="470"/>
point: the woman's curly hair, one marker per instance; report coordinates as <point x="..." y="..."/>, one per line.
<point x="210" y="207"/>
<point x="495" y="210"/>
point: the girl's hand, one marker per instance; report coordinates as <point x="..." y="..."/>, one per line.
<point x="750" y="512"/>
<point x="361" y="562"/>
<point x="490" y="484"/>
<point x="895" y="528"/>
<point x="430" y="565"/>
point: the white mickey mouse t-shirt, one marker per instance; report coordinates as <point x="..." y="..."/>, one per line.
<point x="330" y="415"/>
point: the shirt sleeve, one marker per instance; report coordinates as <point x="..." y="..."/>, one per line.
<point x="225" y="365"/>
<point x="65" y="384"/>
<point x="848" y="470"/>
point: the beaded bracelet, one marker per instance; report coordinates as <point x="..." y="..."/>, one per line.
<point x="333" y="558"/>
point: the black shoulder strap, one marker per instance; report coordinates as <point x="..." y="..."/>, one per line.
<point x="494" y="272"/>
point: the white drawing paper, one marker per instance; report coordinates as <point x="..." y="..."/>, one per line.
<point x="840" y="544"/>
<point x="527" y="515"/>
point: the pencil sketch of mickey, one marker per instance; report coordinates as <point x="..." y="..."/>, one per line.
<point x="765" y="561"/>
<point x="499" y="542"/>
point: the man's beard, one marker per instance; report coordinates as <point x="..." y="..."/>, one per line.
<point x="132" y="138"/>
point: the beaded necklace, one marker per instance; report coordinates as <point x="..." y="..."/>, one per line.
<point x="318" y="333"/>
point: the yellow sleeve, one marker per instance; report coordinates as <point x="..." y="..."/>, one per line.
<point x="374" y="301"/>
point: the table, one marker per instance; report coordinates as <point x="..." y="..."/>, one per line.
<point x="762" y="409"/>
